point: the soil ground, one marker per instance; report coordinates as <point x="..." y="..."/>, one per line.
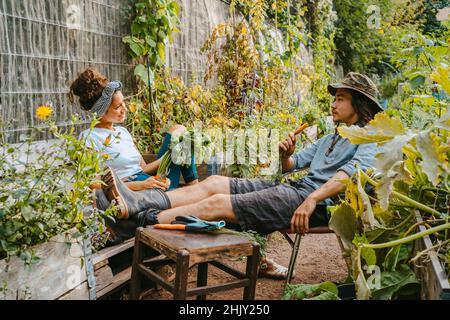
<point x="320" y="259"/>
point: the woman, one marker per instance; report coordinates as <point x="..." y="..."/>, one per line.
<point x="105" y="98"/>
<point x="98" y="95"/>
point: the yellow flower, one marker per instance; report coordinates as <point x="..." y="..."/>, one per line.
<point x="43" y="112"/>
<point x="381" y="31"/>
<point x="106" y="156"/>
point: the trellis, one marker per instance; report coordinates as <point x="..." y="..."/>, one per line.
<point x="44" y="44"/>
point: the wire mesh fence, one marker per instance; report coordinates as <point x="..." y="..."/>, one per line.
<point x="44" y="44"/>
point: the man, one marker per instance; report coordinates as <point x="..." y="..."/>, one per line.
<point x="264" y="206"/>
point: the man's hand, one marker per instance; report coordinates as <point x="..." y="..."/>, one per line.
<point x="300" y="219"/>
<point x="287" y="147"/>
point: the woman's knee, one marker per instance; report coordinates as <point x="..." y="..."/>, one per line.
<point x="177" y="128"/>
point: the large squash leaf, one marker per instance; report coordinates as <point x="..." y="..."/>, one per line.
<point x="389" y="163"/>
<point x="321" y="291"/>
<point x="434" y="156"/>
<point x="381" y="128"/>
<point x="393" y="281"/>
<point x="444" y="121"/>
<point x="441" y="76"/>
<point x="343" y="222"/>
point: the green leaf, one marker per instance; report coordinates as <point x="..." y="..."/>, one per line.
<point x="322" y="291"/>
<point x="417" y="81"/>
<point x="343" y="222"/>
<point x="174" y="7"/>
<point x="142" y="72"/>
<point x="27" y="212"/>
<point x="394" y="256"/>
<point x="136" y="48"/>
<point x="161" y="48"/>
<point x="368" y="254"/>
<point x="140" y="5"/>
<point x="150" y="41"/>
<point x="393" y="281"/>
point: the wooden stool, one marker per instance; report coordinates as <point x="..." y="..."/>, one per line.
<point x="187" y="249"/>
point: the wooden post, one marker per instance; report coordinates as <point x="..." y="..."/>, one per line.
<point x="181" y="275"/>
<point x="138" y="256"/>
<point x="202" y="277"/>
<point x="251" y="273"/>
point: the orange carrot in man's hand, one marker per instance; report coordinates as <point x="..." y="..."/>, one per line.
<point x="301" y="128"/>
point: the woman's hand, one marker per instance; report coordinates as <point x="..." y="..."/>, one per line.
<point x="300" y="219"/>
<point x="153" y="183"/>
<point x="287" y="147"/>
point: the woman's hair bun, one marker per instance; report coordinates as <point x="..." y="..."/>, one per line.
<point x="88" y="87"/>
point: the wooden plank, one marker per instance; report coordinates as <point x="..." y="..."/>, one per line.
<point x="101" y="264"/>
<point x="58" y="271"/>
<point x="103" y="278"/>
<point x="81" y="292"/>
<point x="196" y="242"/>
<point x="430" y="273"/>
<point x="119" y="280"/>
<point x="112" y="251"/>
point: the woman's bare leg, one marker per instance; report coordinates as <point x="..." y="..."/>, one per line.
<point x="213" y="208"/>
<point x="195" y="193"/>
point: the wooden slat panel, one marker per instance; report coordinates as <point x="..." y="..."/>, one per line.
<point x="119" y="280"/>
<point x="81" y="292"/>
<point x="58" y="271"/>
<point x="112" y="251"/>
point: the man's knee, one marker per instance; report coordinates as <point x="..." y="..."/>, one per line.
<point x="216" y="184"/>
<point x="211" y="204"/>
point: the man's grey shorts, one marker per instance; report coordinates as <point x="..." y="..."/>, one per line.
<point x="264" y="206"/>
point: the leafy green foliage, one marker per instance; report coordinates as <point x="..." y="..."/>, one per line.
<point x="322" y="291"/>
<point x="46" y="195"/>
<point x="154" y="22"/>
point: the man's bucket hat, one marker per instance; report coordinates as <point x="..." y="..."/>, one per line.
<point x="362" y="84"/>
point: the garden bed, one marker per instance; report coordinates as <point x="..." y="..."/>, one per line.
<point x="429" y="271"/>
<point x="58" y="271"/>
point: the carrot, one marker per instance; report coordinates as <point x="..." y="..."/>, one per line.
<point x="301" y="128"/>
<point x="168" y="226"/>
<point x="157" y="177"/>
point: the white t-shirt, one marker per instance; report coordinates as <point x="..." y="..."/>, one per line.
<point x="124" y="158"/>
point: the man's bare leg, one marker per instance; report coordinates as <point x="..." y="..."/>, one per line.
<point x="213" y="208"/>
<point x="195" y="193"/>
